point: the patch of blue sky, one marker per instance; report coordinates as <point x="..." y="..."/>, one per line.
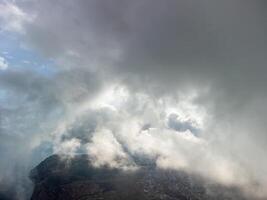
<point x="3" y="94"/>
<point x="19" y="57"/>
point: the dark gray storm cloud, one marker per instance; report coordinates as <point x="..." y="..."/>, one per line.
<point x="122" y="65"/>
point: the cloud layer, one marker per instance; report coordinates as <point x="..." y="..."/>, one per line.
<point x="180" y="82"/>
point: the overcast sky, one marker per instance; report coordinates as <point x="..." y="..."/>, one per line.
<point x="182" y="82"/>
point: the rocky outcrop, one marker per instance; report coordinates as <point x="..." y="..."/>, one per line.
<point x="76" y="178"/>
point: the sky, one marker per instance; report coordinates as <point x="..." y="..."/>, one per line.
<point x="180" y="82"/>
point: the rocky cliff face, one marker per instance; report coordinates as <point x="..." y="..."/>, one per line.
<point x="57" y="179"/>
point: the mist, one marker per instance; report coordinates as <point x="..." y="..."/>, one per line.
<point x="182" y="83"/>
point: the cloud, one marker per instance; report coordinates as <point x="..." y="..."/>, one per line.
<point x="176" y="68"/>
<point x="12" y="17"/>
<point x="181" y="126"/>
<point x="115" y="137"/>
<point x="3" y="63"/>
<point x="32" y="107"/>
<point x="105" y="150"/>
<point x="68" y="147"/>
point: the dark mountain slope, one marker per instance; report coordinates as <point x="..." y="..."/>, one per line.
<point x="76" y="179"/>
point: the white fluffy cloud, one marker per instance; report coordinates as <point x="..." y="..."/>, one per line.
<point x="12" y="17"/>
<point x="3" y="63"/>
<point x="179" y="82"/>
<point x="123" y="126"/>
<point x="105" y="150"/>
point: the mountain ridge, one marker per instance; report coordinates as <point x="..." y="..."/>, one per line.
<point x="57" y="178"/>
